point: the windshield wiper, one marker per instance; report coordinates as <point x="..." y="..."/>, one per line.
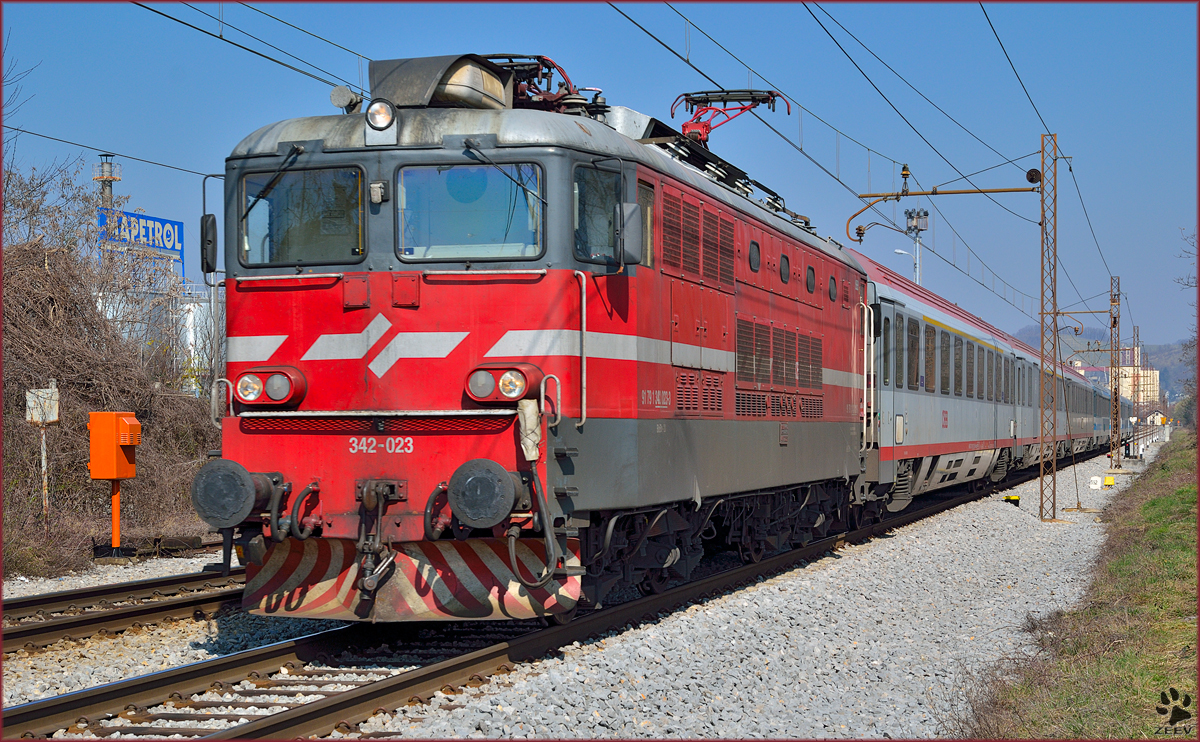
<point x="472" y="145"/>
<point x="294" y="151"/>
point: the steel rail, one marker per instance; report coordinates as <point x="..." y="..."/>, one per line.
<point x="154" y="587"/>
<point x="38" y="634"/>
<point x="44" y="718"/>
<point x="346" y="710"/>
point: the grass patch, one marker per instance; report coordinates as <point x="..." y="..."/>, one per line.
<point x="1098" y="671"/>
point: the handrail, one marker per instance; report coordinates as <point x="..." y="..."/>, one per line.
<point x="212" y="401"/>
<point x="582" y="348"/>
<point x="529" y="272"/>
<point x="557" y="399"/>
<point x="868" y="352"/>
<point x="251" y="279"/>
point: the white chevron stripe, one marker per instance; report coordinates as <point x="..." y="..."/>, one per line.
<point x="349" y="346"/>
<point x="415" y="345"/>
<point x="252" y="348"/>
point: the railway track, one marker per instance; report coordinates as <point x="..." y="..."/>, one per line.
<point x="325" y="682"/>
<point x="39" y="620"/>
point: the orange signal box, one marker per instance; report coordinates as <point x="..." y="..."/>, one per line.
<point x="114" y="436"/>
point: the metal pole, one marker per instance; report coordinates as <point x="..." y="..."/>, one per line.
<point x="45" y="483"/>
<point x="917" y="242"/>
<point x="116" y="516"/>
<point x="1048" y="408"/>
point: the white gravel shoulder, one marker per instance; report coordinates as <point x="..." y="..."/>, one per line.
<point x="104" y="574"/>
<point x="74" y="665"/>
<point x="871" y="642"/>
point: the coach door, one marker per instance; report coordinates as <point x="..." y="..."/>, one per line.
<point x="885" y="374"/>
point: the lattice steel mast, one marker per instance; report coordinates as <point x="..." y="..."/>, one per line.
<point x="1114" y="371"/>
<point x="1048" y="409"/>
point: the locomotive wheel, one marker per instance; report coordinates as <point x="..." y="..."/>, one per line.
<point x="654" y="583"/>
<point x="562" y="619"/>
<point x="753" y="552"/>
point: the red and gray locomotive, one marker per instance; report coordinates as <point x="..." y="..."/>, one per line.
<point x="495" y="348"/>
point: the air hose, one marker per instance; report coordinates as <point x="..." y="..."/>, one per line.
<point x="552" y="555"/>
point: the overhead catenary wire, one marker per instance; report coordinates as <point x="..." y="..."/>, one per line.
<point x="224" y="22"/>
<point x="302" y="30"/>
<point x="822" y="167"/>
<point x="1070" y="169"/>
<point x="916" y="131"/>
<point x="255" y="52"/>
<point x="918" y="92"/>
<point x="109" y="151"/>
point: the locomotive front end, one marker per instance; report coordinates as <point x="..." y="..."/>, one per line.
<point x="385" y="405"/>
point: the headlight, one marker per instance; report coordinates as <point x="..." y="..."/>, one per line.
<point x="249" y="388"/>
<point x="482" y="383"/>
<point x="512" y="384"/>
<point x="380" y="114"/>
<point x="279" y="386"/>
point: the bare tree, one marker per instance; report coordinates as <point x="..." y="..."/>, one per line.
<point x="1188" y="281"/>
<point x="102" y="318"/>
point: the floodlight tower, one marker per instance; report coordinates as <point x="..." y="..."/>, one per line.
<point x="106" y="172"/>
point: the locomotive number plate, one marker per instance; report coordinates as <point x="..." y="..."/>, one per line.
<point x="392" y="444"/>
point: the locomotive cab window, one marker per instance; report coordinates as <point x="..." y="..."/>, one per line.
<point x="309" y="217"/>
<point x="645" y="199"/>
<point x="470" y="212"/>
<point x="595" y="197"/>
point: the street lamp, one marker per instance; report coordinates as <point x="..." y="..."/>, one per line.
<point x="918" y="222"/>
<point x="914" y="259"/>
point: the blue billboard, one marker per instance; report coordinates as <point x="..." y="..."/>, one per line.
<point x="146" y="232"/>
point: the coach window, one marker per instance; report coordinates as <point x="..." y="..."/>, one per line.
<point x="1020" y="379"/>
<point x="785" y="268"/>
<point x="944" y="362"/>
<point x="755" y="256"/>
<point x="887" y="350"/>
<point x="645" y="199"/>
<point x="930" y="359"/>
<point x="309" y="217"/>
<point x="958" y="366"/>
<point x="595" y="198"/>
<point x="832" y="289"/>
<point x="810" y="280"/>
<point x="899" y="351"/>
<point x="914" y="354"/>
<point x="981" y="379"/>
<point x="470" y="212"/>
<point x="991" y="374"/>
<point x="1007" y="381"/>
<point x="970" y="369"/>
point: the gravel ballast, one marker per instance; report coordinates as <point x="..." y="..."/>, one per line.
<point x="105" y="574"/>
<point x="871" y="642"/>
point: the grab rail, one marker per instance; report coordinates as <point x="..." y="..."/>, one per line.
<point x="540" y="272"/>
<point x="868" y="353"/>
<point x="293" y="277"/>
<point x="582" y="348"/>
<point x="557" y="399"/>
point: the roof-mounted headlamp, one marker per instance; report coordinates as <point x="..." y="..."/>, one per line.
<point x="380" y="114"/>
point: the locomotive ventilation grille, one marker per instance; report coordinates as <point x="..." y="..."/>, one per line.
<point x="773" y="355"/>
<point x="696" y="240"/>
<point x="367" y="425"/>
<point x="699" y="393"/>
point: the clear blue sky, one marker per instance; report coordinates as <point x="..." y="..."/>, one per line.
<point x="1116" y="82"/>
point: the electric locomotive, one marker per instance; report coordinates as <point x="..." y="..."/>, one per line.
<point x="494" y="349"/>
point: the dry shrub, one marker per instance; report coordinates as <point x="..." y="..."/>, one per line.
<point x="103" y="324"/>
